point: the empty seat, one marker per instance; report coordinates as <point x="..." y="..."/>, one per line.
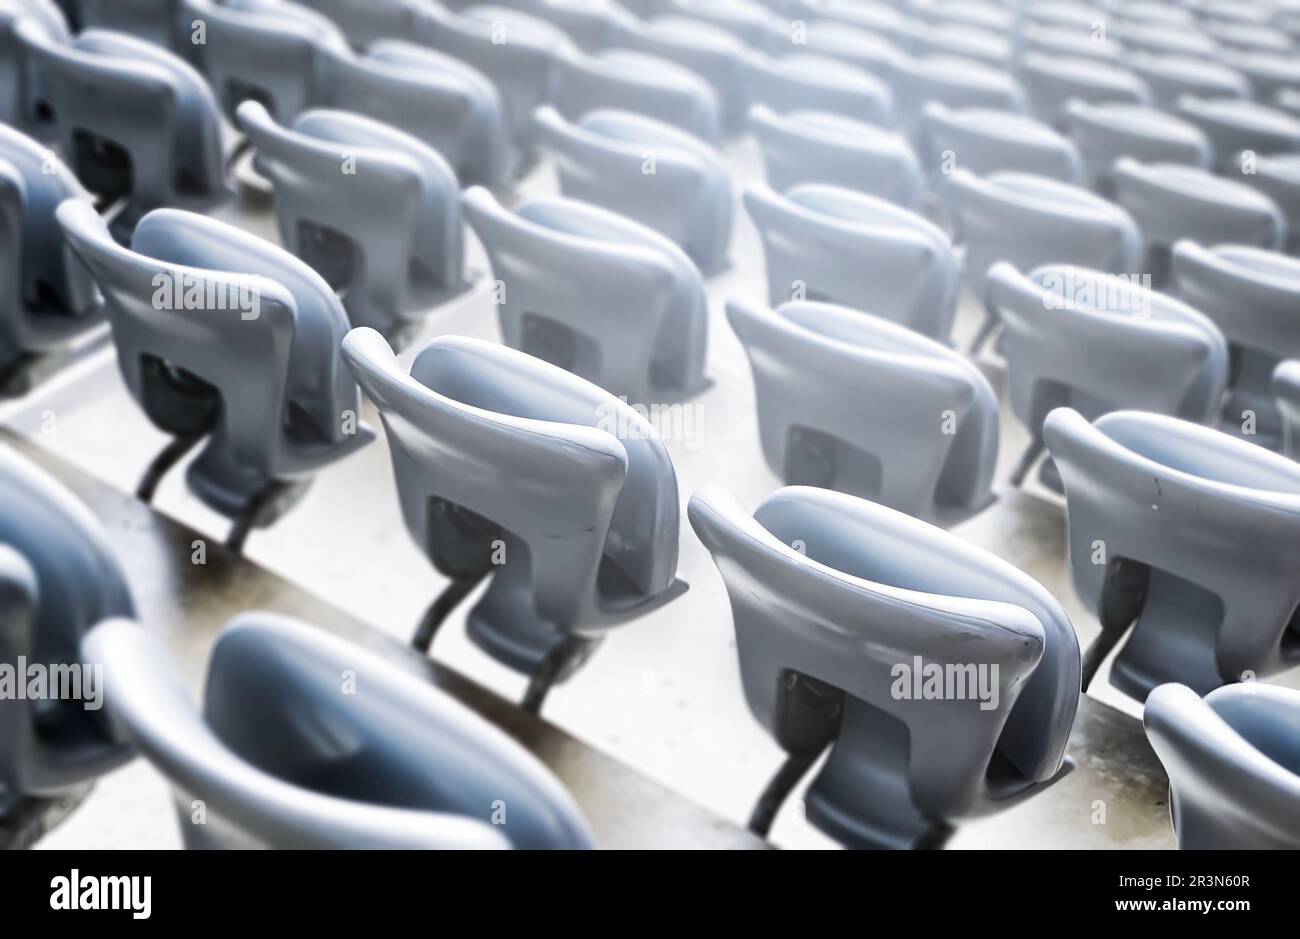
<point x="373" y="210"/>
<point x="714" y="55"/>
<point x="1169" y="77"/>
<point x="1105" y="132"/>
<point x="1030" y="221"/>
<point x="1186" y="535"/>
<point x="811" y="82"/>
<point x="852" y="402"/>
<point x="634" y="81"/>
<point x="748" y="21"/>
<point x="270" y="51"/>
<point x="600" y="295"/>
<point x="1286" y="385"/>
<point x="1278" y="177"/>
<point x="985" y="142"/>
<point x="1268" y="74"/>
<point x="280" y="757"/>
<point x="648" y="171"/>
<point x="507" y="465"/>
<point x="133" y="120"/>
<point x="1252" y="296"/>
<point x="224" y="337"/>
<point x="518" y="52"/>
<point x="962" y="41"/>
<point x="364" y="21"/>
<point x="1249" y="37"/>
<point x="1164" y="38"/>
<point x="820" y="147"/>
<point x="21" y="104"/>
<point x="842" y="608"/>
<point x="58" y="578"/>
<point x="1099" y="343"/>
<point x="880" y="18"/>
<point x="1052" y="82"/>
<point x="589" y="23"/>
<point x="1073" y="41"/>
<point x="823" y="243"/>
<point x="449" y="105"/>
<point x="1172" y="202"/>
<point x="856" y="47"/>
<point x="45" y="301"/>
<point x="1233" y="761"/>
<point x="954" y="82"/>
<point x="1236" y="126"/>
<point x="157" y="21"/>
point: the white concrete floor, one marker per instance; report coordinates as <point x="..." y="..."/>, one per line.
<point x="663" y="692"/>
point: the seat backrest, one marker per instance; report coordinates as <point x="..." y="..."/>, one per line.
<point x="419" y="770"/>
<point x="881" y="393"/>
<point x="44" y="299"/>
<point x="155" y="21"/>
<point x="1051" y="82"/>
<point x="1250" y="293"/>
<point x="649" y="171"/>
<point x="1031" y="220"/>
<point x="269" y="51"/>
<point x="19" y="81"/>
<point x="804" y="82"/>
<point x="58" y="578"/>
<point x="154" y="111"/>
<point x="1215" y="519"/>
<point x="253" y="323"/>
<point x="1099" y="342"/>
<point x="985" y="142"/>
<point x="853" y="596"/>
<point x="1286" y="385"/>
<point x="820" y="147"/>
<point x="824" y="243"/>
<point x="609" y="487"/>
<point x="1105" y="132"/>
<point x="391" y="197"/>
<point x="1233" y="760"/>
<point x="601" y="295"/>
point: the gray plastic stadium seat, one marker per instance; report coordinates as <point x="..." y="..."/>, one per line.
<point x="1186" y="535"/>
<point x="963" y="41"/>
<point x="265" y="756"/>
<point x="985" y="142"/>
<point x="1172" y="202"/>
<point x="805" y="82"/>
<point x="956" y="83"/>
<point x="852" y="402"/>
<point x="600" y="295"/>
<point x="634" y="81"/>
<point x="748" y="21"/>
<point x="823" y="243"/>
<point x="20" y="93"/>
<point x="1052" y="82"/>
<point x="1163" y="38"/>
<point x="836" y="601"/>
<point x="1169" y="77"/>
<point x="364" y="21"/>
<point x="819" y="147"/>
<point x="1252" y="296"/>
<point x="133" y="120"/>
<point x="1286" y="386"/>
<point x="1072" y="41"/>
<point x="1235" y="126"/>
<point x="518" y="52"/>
<point x="58" y="578"/>
<point x="880" y="18"/>
<point x="589" y="23"/>
<point x="1030" y="221"/>
<point x="156" y="21"/>
<point x="1106" y="132"/>
<point x="1278" y="177"/>
<point x="510" y="466"/>
<point x="843" y="43"/>
<point x="1268" y="74"/>
<point x="44" y="300"/>
<point x="1087" y="340"/>
<point x="449" y="105"/>
<point x="712" y="54"/>
<point x="270" y="51"/>
<point x="249" y="363"/>
<point x="648" y="171"/>
<point x="1233" y="760"/>
<point x="373" y="210"/>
